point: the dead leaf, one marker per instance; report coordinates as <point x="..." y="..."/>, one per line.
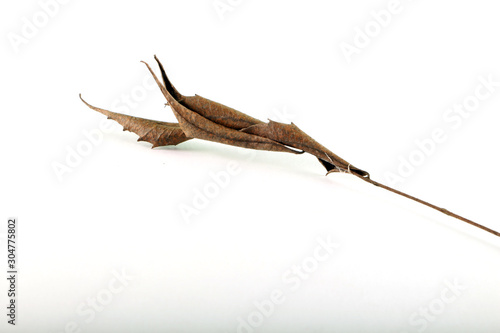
<point x="156" y="132"/>
<point x="204" y="119"/>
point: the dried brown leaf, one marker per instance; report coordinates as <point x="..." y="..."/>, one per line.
<point x="221" y="125"/>
<point x="156" y="132"/>
<point x="208" y="120"/>
<point x="216" y="112"/>
<point x="291" y="135"/>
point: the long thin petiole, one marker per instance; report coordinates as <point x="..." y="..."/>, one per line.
<point x="442" y="210"/>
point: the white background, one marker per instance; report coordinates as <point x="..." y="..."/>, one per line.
<point x="119" y="207"/>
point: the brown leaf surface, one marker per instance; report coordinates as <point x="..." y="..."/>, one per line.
<point x="221" y="126"/>
<point x="204" y="119"/>
<point x="291" y="135"/>
<point x="216" y="112"/>
<point x="156" y="132"/>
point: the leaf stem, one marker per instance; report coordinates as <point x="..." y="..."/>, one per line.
<point x="442" y="210"/>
